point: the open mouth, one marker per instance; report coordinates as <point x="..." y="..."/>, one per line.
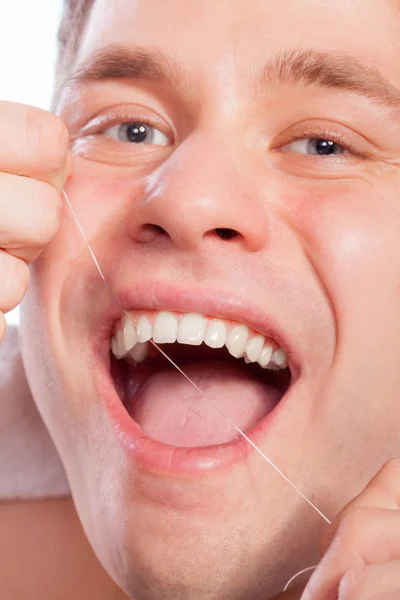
<point x="244" y="373"/>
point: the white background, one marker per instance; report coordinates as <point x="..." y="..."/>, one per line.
<point x="28" y="30"/>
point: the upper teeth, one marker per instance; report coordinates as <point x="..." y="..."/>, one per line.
<point x="193" y="329"/>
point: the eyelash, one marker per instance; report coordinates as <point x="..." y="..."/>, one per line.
<point x="326" y="134"/>
<point x="100" y="124"/>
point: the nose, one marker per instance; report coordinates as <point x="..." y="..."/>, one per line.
<point x="199" y="197"/>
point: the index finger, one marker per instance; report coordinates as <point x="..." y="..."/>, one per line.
<point x="383" y="491"/>
<point x="34" y="143"/>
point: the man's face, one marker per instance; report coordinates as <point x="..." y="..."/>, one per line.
<point x="278" y="121"/>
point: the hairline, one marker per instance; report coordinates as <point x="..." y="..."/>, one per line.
<point x="72" y="26"/>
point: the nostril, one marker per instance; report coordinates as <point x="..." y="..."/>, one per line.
<point x="226" y="234"/>
<point x="157" y="229"/>
<point x="149" y="232"/>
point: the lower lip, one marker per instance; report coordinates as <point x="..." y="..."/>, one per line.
<point x="156" y="457"/>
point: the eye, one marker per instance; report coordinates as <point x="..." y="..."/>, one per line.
<point x="315" y="147"/>
<point x="137" y="132"/>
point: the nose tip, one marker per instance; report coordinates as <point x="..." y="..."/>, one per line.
<point x="195" y="203"/>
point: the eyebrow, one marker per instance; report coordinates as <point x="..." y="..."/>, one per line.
<point x="335" y="70"/>
<point x="309" y="67"/>
<point x="116" y="62"/>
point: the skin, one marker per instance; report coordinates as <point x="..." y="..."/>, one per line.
<point x="318" y="248"/>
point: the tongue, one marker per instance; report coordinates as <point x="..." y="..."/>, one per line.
<point x="170" y="410"/>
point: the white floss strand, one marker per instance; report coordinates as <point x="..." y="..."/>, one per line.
<point x="302" y="572"/>
<point x="240" y="432"/>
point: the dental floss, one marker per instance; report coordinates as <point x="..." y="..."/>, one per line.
<point x="307" y="570"/>
<point x="244" y="436"/>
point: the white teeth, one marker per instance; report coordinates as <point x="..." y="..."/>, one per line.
<point x="216" y="335"/>
<point x="265" y="356"/>
<point x="254" y="348"/>
<point x="140" y="352"/>
<point x="279" y="358"/>
<point x="144" y="329"/>
<point x="273" y="367"/>
<point x="237" y="340"/>
<point x="118" y="345"/>
<point x="114" y="347"/>
<point x="165" y="328"/>
<point x="192" y="329"/>
<point x="129" y="335"/>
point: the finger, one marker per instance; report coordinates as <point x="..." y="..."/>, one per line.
<point x="30" y="213"/>
<point x="383" y="491"/>
<point x="364" y="536"/>
<point x="35" y="144"/>
<point x="372" y="582"/>
<point x="14" y="276"/>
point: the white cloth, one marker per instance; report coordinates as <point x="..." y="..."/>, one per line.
<point x="30" y="467"/>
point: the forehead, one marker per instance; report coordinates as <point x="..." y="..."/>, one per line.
<point x="209" y="34"/>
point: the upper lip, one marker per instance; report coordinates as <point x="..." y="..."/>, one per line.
<point x="156" y="295"/>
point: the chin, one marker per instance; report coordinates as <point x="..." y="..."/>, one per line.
<point x="205" y="552"/>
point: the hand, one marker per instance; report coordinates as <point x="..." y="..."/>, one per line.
<point x="33" y="169"/>
<point x="361" y="549"/>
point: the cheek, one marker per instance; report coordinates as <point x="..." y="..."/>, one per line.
<point x="101" y="194"/>
<point x="101" y="197"/>
<point x="352" y="236"/>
